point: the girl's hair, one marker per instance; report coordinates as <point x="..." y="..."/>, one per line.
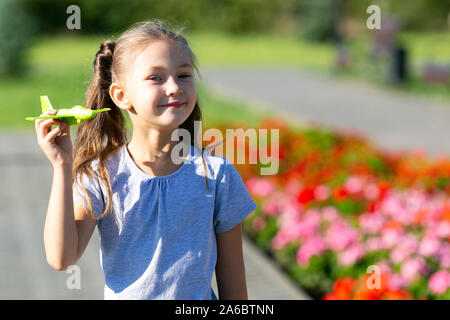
<point x="100" y="137"/>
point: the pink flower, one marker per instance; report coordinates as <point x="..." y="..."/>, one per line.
<point x="391" y="205"/>
<point x="259" y="187"/>
<point x="292" y="187"/>
<point x="322" y="192"/>
<point x="405" y="247"/>
<point x="351" y="255"/>
<point x="270" y="207"/>
<point x="280" y="240"/>
<point x="390" y="237"/>
<point x="412" y="268"/>
<point x="395" y="281"/>
<point x="258" y="223"/>
<point x="429" y="246"/>
<point x="371" y="192"/>
<point x="394" y="206"/>
<point x="444" y="255"/>
<point x="304" y="227"/>
<point x="399" y="254"/>
<point x="374" y="244"/>
<point x="290" y="211"/>
<point x="439" y="282"/>
<point x="329" y="213"/>
<point x="443" y="229"/>
<point x="415" y="199"/>
<point x="312" y="246"/>
<point x="353" y="184"/>
<point x="371" y="222"/>
<point x="339" y="236"/>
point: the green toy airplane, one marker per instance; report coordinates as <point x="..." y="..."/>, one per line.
<point x="75" y="115"/>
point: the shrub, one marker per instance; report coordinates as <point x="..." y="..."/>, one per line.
<point x="16" y="33"/>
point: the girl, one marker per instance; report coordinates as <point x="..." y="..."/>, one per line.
<point x="166" y="221"/>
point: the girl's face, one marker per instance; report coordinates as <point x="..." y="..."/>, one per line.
<point x="160" y="90"/>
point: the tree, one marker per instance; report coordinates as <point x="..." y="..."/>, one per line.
<point x="16" y="34"/>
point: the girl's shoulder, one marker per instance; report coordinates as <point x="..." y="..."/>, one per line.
<point x="216" y="163"/>
<point x="111" y="162"/>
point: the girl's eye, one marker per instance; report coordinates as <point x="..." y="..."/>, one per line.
<point x="154" y="78"/>
<point x="184" y="75"/>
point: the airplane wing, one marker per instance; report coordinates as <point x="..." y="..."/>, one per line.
<point x="56" y="116"/>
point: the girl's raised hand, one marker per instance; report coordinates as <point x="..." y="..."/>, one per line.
<point x="56" y="144"/>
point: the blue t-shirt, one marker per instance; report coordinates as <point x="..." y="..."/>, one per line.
<point x="159" y="239"/>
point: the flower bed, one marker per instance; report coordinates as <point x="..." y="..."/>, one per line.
<point x="339" y="206"/>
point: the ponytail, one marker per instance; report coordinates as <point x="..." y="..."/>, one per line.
<point x="103" y="135"/>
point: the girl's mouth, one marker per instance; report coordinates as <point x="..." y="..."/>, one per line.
<point x="173" y="105"/>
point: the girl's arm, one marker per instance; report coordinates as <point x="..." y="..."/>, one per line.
<point x="230" y="269"/>
<point x="67" y="230"/>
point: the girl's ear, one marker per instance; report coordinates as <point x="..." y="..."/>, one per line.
<point x="117" y="93"/>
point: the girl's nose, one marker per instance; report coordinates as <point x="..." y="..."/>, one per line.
<point x="172" y="87"/>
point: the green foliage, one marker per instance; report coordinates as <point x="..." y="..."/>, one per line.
<point x="413" y="14"/>
<point x="16" y="33"/>
<point x="316" y="19"/>
<point x="442" y="182"/>
<point x="319" y="20"/>
<point x="377" y="165"/>
<point x="264" y="238"/>
<point x="315" y="278"/>
<point x="322" y="139"/>
<point x="106" y="16"/>
<point x="350" y="207"/>
<point x="419" y="288"/>
<point x="444" y="296"/>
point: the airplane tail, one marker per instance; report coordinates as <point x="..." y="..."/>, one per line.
<point x="45" y="104"/>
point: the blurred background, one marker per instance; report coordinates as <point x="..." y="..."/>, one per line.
<point x="363" y="116"/>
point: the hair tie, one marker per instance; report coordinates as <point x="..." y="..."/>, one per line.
<point x="103" y="61"/>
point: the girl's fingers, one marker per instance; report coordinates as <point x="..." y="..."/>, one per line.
<point x="65" y="128"/>
<point x="52" y="134"/>
<point x="43" y="127"/>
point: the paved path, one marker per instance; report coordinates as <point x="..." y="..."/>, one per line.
<point x="391" y="120"/>
<point x="25" y="183"/>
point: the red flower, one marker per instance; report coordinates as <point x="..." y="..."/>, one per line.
<point x="306" y="195"/>
<point x="330" y="296"/>
<point x="371" y="206"/>
<point x="343" y="288"/>
<point x="339" y="193"/>
<point x="396" y="295"/>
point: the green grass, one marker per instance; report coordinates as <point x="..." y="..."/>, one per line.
<point x="428" y="46"/>
<point x="219" y="49"/>
<point x="422" y="48"/>
<point x="61" y="67"/>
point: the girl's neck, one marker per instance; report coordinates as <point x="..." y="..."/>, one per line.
<point x="152" y="147"/>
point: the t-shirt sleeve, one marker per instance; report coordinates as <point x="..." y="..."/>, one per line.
<point x="95" y="193"/>
<point x="233" y="202"/>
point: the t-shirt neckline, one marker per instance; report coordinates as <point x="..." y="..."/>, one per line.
<point x="145" y="175"/>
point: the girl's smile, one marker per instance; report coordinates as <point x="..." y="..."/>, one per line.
<point x="174" y="104"/>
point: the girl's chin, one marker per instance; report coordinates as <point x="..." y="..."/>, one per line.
<point x="171" y="121"/>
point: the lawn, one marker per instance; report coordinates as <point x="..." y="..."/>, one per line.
<point x="61" y="67"/>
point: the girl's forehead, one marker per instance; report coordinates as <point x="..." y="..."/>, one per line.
<point x="166" y="52"/>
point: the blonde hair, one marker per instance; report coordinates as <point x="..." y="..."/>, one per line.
<point x="102" y="136"/>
